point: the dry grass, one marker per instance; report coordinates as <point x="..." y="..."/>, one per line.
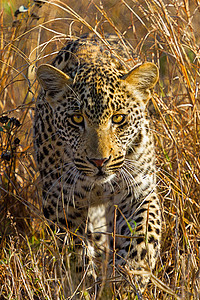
<point x="165" y="32"/>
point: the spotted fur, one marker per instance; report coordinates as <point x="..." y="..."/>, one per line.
<point x="95" y="151"/>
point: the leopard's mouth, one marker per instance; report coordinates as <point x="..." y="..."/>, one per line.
<point x="101" y="172"/>
<point x="101" y="176"/>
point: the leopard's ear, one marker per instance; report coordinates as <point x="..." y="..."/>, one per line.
<point x="51" y="78"/>
<point x="143" y="78"/>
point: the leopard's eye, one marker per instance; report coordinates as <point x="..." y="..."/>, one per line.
<point x="77" y="119"/>
<point x="118" y="119"/>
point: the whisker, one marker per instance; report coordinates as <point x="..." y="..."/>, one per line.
<point x="55" y="170"/>
<point x="58" y="179"/>
<point x="132" y="182"/>
<point x="72" y="188"/>
<point x="132" y="166"/>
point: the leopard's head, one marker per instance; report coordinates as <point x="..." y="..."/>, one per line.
<point x="99" y="114"/>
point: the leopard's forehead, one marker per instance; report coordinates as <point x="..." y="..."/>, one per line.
<point x="101" y="92"/>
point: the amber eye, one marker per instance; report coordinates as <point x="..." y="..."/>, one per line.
<point x="118" y="119"/>
<point x="77" y="119"/>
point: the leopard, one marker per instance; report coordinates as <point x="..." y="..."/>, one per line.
<point x="96" y="155"/>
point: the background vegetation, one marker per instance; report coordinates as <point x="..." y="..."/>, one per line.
<point x="163" y="31"/>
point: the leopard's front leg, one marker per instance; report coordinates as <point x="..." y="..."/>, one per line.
<point x="140" y="224"/>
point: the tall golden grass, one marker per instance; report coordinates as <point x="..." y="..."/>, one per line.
<point x="163" y="31"/>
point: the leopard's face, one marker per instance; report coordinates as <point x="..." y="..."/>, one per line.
<point x="99" y="117"/>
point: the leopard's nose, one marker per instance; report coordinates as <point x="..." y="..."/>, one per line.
<point x="99" y="162"/>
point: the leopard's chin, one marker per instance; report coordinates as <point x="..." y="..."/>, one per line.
<point x="102" y="179"/>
